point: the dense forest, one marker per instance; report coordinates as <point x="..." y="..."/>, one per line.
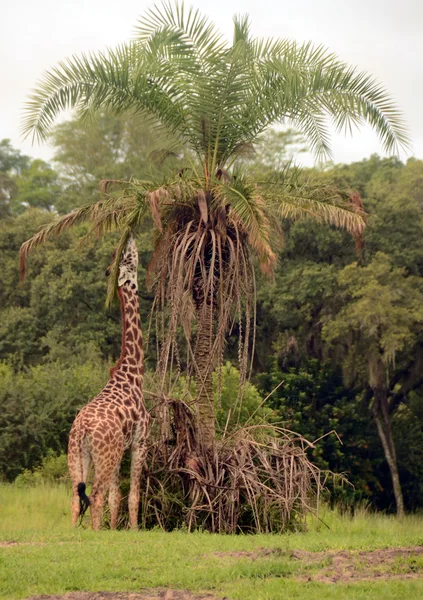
<point x="341" y="324"/>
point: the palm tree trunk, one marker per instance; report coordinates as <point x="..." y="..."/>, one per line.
<point x="204" y="364"/>
<point x="383" y="424"/>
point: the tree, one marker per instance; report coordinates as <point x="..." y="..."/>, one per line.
<point x="12" y="163"/>
<point x="377" y="318"/>
<point x="212" y="220"/>
<point x="113" y="147"/>
<point x="313" y="399"/>
<point x="38" y="187"/>
<point x="25" y="182"/>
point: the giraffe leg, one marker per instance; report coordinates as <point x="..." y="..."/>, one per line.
<point x="96" y="504"/>
<point x="139" y="452"/>
<point x="105" y="467"/>
<point x="114" y="497"/>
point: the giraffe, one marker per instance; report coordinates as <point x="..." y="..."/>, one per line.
<point x="116" y="419"/>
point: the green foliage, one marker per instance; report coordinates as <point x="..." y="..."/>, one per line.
<point x="120" y="148"/>
<point x="53" y="469"/>
<point x="295" y="303"/>
<point x="25" y="182"/>
<point x="62" y="299"/>
<point x="232" y="410"/>
<point x="379" y="315"/>
<point x="375" y="308"/>
<point x="214" y="97"/>
<point x="11" y="159"/>
<point x="11" y="163"/>
<point x="314" y="401"/>
<point x="38" y="187"/>
<point x="38" y="405"/>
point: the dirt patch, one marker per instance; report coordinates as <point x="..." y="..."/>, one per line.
<point x="345" y="566"/>
<point x="256" y="554"/>
<point x="156" y="594"/>
<point x="8" y="544"/>
<point x="12" y="543"/>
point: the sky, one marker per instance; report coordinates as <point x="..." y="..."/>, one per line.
<point x="382" y="37"/>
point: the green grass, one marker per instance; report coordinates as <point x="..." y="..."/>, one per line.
<point x="52" y="558"/>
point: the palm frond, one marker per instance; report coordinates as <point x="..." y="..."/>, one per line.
<point x="56" y="228"/>
<point x="214" y="97"/>
<point x="112" y="212"/>
<point x="200" y="34"/>
<point x="308" y="81"/>
<point x="248" y="208"/>
<point x="120" y="80"/>
<point x="242" y="27"/>
<point x="323" y="204"/>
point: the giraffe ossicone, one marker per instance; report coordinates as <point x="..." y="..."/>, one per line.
<point x="116" y="419"/>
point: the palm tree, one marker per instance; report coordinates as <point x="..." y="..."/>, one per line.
<point x="213" y="223"/>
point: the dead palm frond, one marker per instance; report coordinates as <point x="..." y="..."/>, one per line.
<point x="256" y="479"/>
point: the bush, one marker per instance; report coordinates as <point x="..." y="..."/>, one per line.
<point x="38" y="406"/>
<point x="231" y="410"/>
<point x="54" y="469"/>
<point x="250" y="408"/>
<point x="314" y="402"/>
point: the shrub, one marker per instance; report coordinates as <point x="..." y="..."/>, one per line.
<point x="38" y="406"/>
<point x="54" y="469"/>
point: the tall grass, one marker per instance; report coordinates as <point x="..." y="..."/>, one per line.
<point x="40" y="508"/>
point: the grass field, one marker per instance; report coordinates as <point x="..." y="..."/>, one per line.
<point x="357" y="558"/>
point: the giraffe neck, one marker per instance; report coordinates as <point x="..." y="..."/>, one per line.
<point x="131" y="360"/>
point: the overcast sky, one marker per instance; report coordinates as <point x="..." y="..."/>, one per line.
<point x="383" y="37"/>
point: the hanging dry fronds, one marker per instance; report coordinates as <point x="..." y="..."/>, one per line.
<point x="202" y="205"/>
<point x="200" y="270"/>
<point x="256" y="479"/>
<point x="153" y="199"/>
<point x="105" y="184"/>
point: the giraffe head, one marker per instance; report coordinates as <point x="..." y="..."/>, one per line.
<point x="128" y="265"/>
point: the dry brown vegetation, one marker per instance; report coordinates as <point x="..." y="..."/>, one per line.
<point x="254" y="479"/>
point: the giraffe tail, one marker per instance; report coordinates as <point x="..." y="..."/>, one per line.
<point x="84" y="501"/>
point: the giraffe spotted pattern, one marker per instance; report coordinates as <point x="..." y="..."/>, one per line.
<point x="116" y="419"/>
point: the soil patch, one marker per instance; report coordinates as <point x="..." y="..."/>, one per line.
<point x="7" y="544"/>
<point x="148" y="594"/>
<point x="256" y="554"/>
<point x="12" y="543"/>
<point x="345" y="566"/>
